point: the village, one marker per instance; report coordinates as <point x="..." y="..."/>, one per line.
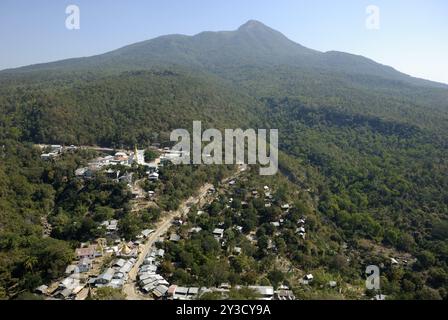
<point x="98" y="264"/>
<point x="150" y="280"/>
<point x="108" y="262"/>
<point x="133" y="267"/>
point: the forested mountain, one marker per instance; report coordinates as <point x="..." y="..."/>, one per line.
<point x="255" y="61"/>
<point x="253" y="44"/>
<point x="368" y="141"/>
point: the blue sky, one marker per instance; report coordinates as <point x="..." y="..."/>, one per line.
<point x="413" y="34"/>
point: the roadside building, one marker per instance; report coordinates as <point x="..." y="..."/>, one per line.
<point x="284" y="295"/>
<point x="266" y="292"/>
<point x="174" y="237"/>
<point x="181" y="293"/>
<point x="85" y="265"/>
<point x="160" y="291"/>
<point x="147" y="232"/>
<point x="106" y="277"/>
<point x="171" y="291"/>
<point x="88" y="252"/>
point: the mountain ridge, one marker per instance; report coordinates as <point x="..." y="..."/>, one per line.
<point x="253" y="43"/>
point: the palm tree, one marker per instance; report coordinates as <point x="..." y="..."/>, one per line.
<point x="30" y="262"/>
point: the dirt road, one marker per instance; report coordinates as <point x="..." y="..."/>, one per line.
<point x="130" y="288"/>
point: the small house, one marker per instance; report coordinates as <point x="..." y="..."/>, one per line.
<point x="43" y="289"/>
<point x="119" y="263"/>
<point x="284" y="294"/>
<point x="308" y="277"/>
<point x="195" y="230"/>
<point x="266" y="292"/>
<point x="154" y="176"/>
<point x="218" y="233"/>
<point x="85" y="265"/>
<point x="113" y="225"/>
<point x="180" y="293"/>
<point x="225" y="286"/>
<point x="71" y="269"/>
<point x="82" y="172"/>
<point x="193" y="292"/>
<point x="64" y="294"/>
<point x="160" y="291"/>
<point x="147" y="232"/>
<point x="171" y="290"/>
<point x="106" y="277"/>
<point x="88" y="252"/>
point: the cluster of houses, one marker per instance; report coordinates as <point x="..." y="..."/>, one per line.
<point x="300" y="230"/>
<point x="175" y="292"/>
<point x="126" y="159"/>
<point x="218" y="234"/>
<point x="120" y="158"/>
<point x="73" y="286"/>
<point x="184" y="293"/>
<point x="151" y="282"/>
<point x="114" y="276"/>
<point x="69" y="288"/>
<point x="120" y="248"/>
<point x="307" y="279"/>
<point x="123" y="158"/>
<point x="84" y="273"/>
<point x="54" y="151"/>
<point x="110" y="225"/>
<point x="170" y="155"/>
<point x="268" y="202"/>
<point x="148" y="278"/>
<point x="265" y="292"/>
<point x="167" y="156"/>
<point x="124" y="250"/>
<point x="268" y="198"/>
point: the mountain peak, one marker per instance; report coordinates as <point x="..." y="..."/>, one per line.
<point x="253" y="24"/>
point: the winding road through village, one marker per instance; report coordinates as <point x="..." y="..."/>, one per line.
<point x="130" y="288"/>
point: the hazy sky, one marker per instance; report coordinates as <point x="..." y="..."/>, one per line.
<point x="413" y="34"/>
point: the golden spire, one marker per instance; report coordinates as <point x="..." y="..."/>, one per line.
<point x="136" y="154"/>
